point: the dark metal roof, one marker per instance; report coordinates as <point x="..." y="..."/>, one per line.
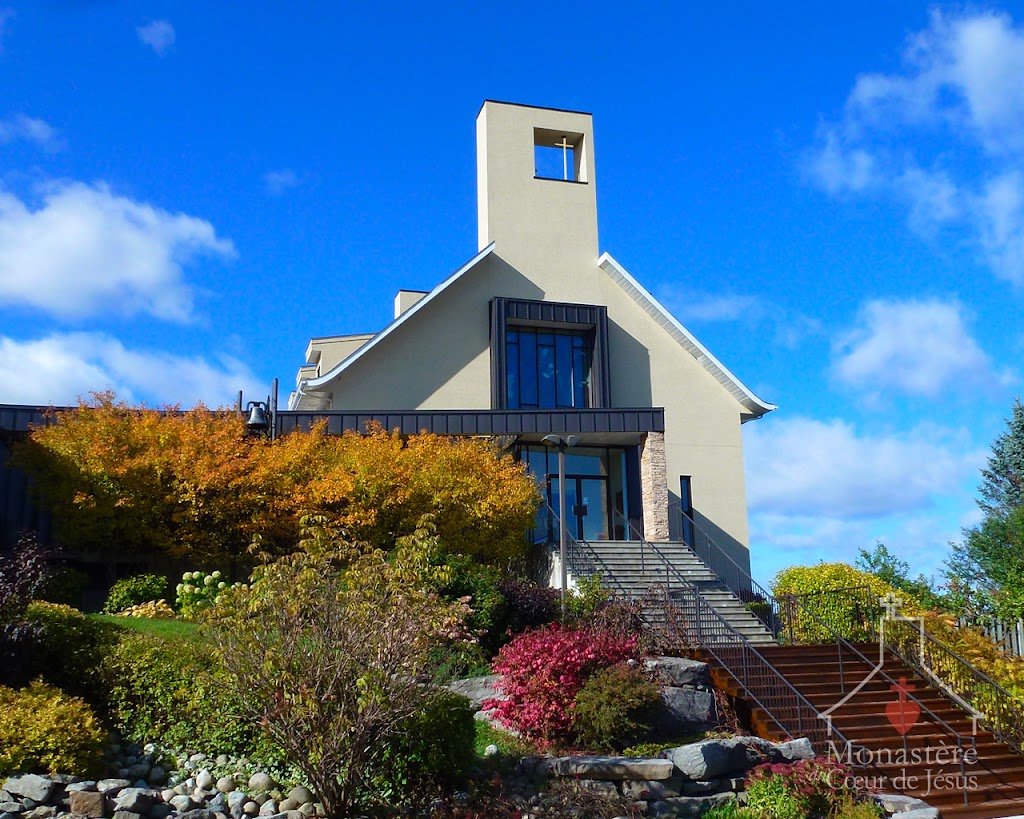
<point x="482" y="422"/>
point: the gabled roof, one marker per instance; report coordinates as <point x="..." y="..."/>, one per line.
<point x="755" y="406"/>
<point x="343" y="365"/>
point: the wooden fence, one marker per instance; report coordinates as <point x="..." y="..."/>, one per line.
<point x="1006" y="634"/>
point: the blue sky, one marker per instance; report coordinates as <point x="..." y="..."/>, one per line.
<point x="832" y="202"/>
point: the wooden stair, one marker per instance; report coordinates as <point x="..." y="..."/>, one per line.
<point x="996" y="779"/>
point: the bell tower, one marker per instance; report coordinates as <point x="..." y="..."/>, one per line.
<point x="536" y="194"/>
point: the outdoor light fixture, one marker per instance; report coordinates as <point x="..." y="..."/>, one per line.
<point x="563" y="443"/>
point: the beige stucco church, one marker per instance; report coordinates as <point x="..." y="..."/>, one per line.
<point x="539" y="333"/>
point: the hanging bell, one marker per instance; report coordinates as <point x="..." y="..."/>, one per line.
<point x="257" y="422"/>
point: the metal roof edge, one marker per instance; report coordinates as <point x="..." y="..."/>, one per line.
<point x="686" y="339"/>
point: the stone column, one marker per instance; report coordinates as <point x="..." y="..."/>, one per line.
<point x="654" y="487"/>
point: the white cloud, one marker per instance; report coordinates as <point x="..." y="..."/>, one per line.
<point x="944" y="135"/>
<point x="158" y="35"/>
<point x="809" y="468"/>
<point x="87" y="251"/>
<point x="59" y="368"/>
<point x="23" y="128"/>
<point x="279" y="182"/>
<point x="711" y="307"/>
<point x="916" y="347"/>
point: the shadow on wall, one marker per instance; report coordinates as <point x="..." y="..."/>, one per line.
<point x="734" y="550"/>
<point x="630" y="368"/>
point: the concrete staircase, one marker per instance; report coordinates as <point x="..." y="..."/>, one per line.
<point x="638" y="571"/>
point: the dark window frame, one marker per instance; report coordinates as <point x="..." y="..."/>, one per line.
<point x="506" y="312"/>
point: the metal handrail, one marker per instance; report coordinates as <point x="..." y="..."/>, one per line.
<point x="762" y="682"/>
<point x="756" y="675"/>
<point x="842" y="643"/>
<point x="743" y="584"/>
<point x="998" y="709"/>
<point x="588" y="558"/>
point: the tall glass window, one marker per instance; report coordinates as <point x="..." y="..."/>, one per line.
<point x="547" y="369"/>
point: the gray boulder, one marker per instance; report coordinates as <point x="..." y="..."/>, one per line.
<point x="198" y="814"/>
<point x="219" y="804"/>
<point x="88" y="803"/>
<point x="920" y="813"/>
<point x="237" y="799"/>
<point x="648" y="789"/>
<point x="301" y="794"/>
<point x="30" y="786"/>
<point x="11" y="807"/>
<point x="126" y="814"/>
<point x="607" y="767"/>
<point x="84" y="785"/>
<point x="183" y="803"/>
<point x="225" y="784"/>
<point x="42" y="812"/>
<point x="687" y="806"/>
<point x="684" y="711"/>
<point x="260" y="783"/>
<point x="135" y="800"/>
<point x="793" y="750"/>
<point x="250" y="808"/>
<point x="679" y="671"/>
<point x="476" y="689"/>
<point x="111" y="787"/>
<point x="268" y="808"/>
<point x="710" y="758"/>
<point x="898" y="803"/>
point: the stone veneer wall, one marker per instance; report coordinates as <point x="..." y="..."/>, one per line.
<point x="654" y="487"/>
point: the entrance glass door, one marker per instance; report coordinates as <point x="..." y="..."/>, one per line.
<point x="586" y="505"/>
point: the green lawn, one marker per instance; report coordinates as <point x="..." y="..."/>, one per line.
<point x="168" y="629"/>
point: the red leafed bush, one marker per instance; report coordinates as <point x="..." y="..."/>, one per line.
<point x="543" y="670"/>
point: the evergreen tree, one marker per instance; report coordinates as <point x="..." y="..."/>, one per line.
<point x="985" y="570"/>
<point x="1002" y="485"/>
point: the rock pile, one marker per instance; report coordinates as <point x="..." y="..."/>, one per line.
<point x="200" y="797"/>
<point x="689" y="780"/>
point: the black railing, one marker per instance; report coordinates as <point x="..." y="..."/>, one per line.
<point x="991" y="705"/>
<point x="763" y="684"/>
<point x="756" y="598"/>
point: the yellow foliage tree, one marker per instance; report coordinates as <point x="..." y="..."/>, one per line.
<point x="190" y="483"/>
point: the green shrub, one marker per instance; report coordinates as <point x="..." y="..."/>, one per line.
<point x="44" y="730"/>
<point x="489" y="619"/>
<point x="434" y="747"/>
<point x="587" y="599"/>
<point x="65" y="586"/>
<point x="732" y="810"/>
<point x="130" y="591"/>
<point x="174" y="692"/>
<point x="850" y="615"/>
<point x="70" y="651"/>
<point x="614" y="708"/>
<point x="796" y="790"/>
<point x="850" y="807"/>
